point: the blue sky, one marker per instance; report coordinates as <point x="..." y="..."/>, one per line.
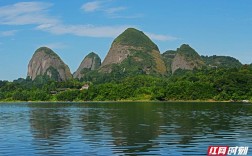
<point x="75" y="28"/>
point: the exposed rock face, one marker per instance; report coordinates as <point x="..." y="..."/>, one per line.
<point x="186" y="58"/>
<point x="168" y="57"/>
<point x="117" y="54"/>
<point x="91" y="62"/>
<point x="133" y="52"/>
<point x="46" y="62"/>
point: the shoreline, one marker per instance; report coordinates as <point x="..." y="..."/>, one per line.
<point x="129" y="101"/>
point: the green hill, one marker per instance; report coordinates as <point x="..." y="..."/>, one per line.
<point x="132" y="52"/>
<point x="136" y="38"/>
<point x="221" y="61"/>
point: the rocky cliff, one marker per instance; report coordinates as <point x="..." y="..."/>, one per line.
<point x="168" y="57"/>
<point x="46" y="62"/>
<point x="91" y="62"/>
<point x="133" y="52"/>
<point x="186" y="58"/>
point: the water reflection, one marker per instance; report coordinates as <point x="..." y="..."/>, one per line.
<point x="129" y="127"/>
<point x="193" y="127"/>
<point x="124" y="128"/>
<point x="49" y="126"/>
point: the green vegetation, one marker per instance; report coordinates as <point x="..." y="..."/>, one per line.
<point x="97" y="60"/>
<point x="168" y="56"/>
<point x="221" y="61"/>
<point x="184" y="54"/>
<point x="138" y="62"/>
<point x="222" y="84"/>
<point x="54" y="73"/>
<point x="202" y="61"/>
<point x="190" y="54"/>
<point x="134" y="37"/>
<point x="141" y="55"/>
<point x="95" y="64"/>
<point x="47" y="51"/>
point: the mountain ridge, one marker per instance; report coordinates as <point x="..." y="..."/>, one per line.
<point x="131" y="53"/>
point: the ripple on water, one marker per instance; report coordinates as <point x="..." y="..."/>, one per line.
<point x="120" y="129"/>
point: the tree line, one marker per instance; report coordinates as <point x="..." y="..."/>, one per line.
<point x="220" y="84"/>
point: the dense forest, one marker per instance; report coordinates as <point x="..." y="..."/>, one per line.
<point x="218" y="84"/>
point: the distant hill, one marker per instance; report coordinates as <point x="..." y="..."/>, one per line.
<point x="221" y="61"/>
<point x="91" y="62"/>
<point x="133" y="52"/>
<point x="46" y="62"/>
<point x="185" y="58"/>
<point x="135" y="38"/>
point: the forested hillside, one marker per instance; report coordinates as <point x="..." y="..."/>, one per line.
<point x="221" y="84"/>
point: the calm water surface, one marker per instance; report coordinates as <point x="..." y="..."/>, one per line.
<point x="122" y="128"/>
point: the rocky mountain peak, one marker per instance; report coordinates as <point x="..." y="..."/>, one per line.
<point x="91" y="62"/>
<point x="46" y="62"/>
<point x="136" y="38"/>
<point x="133" y="51"/>
<point x="186" y="58"/>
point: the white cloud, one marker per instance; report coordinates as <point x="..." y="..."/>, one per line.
<point x="8" y="33"/>
<point x="105" y="8"/>
<point x="84" y="30"/>
<point x="91" y="6"/>
<point x="97" y="31"/>
<point x="160" y="37"/>
<point x="36" y="13"/>
<point x="26" y="13"/>
<point x="115" y="10"/>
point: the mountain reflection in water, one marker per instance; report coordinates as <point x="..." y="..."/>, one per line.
<point x="122" y="128"/>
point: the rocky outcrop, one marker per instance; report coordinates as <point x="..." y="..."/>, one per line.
<point x="117" y="54"/>
<point x="46" y="62"/>
<point x="133" y="52"/>
<point x="168" y="57"/>
<point x="186" y="58"/>
<point x="91" y="62"/>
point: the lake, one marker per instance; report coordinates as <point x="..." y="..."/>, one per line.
<point x="118" y="128"/>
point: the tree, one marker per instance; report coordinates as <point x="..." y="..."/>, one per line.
<point x="20" y="95"/>
<point x="68" y="95"/>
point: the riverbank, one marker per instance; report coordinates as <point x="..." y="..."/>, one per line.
<point x="128" y="101"/>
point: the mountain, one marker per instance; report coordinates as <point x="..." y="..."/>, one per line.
<point x="46" y="62"/>
<point x="221" y="61"/>
<point x="133" y="52"/>
<point x="186" y="58"/>
<point x="91" y="62"/>
<point x="168" y="57"/>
